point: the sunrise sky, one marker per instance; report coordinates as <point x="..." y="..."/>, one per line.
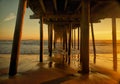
<point x="8" y="14"/>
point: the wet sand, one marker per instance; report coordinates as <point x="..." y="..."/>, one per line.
<point x="54" y="71"/>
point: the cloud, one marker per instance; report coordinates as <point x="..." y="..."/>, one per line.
<point x="11" y="16"/>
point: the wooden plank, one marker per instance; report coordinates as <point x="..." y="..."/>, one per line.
<point x="17" y="37"/>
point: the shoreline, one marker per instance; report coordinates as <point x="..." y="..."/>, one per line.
<point x="30" y="68"/>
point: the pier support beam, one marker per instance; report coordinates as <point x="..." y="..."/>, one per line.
<point x="50" y="37"/>
<point x="93" y="41"/>
<point x="17" y="38"/>
<point x="69" y="49"/>
<point x="74" y="39"/>
<point x="54" y="39"/>
<point x="78" y="38"/>
<point x="41" y="39"/>
<point x="66" y="40"/>
<point x="114" y="44"/>
<point x="84" y="51"/>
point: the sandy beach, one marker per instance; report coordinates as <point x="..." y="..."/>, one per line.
<point x="54" y="71"/>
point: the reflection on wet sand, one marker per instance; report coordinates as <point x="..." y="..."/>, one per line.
<point x="56" y="70"/>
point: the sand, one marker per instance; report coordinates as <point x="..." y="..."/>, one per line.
<point x="54" y="71"/>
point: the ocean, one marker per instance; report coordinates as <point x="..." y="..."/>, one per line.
<point x="31" y="47"/>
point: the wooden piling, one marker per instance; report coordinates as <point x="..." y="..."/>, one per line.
<point x="78" y="37"/>
<point x="114" y="44"/>
<point x="54" y="39"/>
<point x="17" y="38"/>
<point x="74" y="39"/>
<point x="69" y="49"/>
<point x="51" y="26"/>
<point x="84" y="51"/>
<point x="66" y="40"/>
<point x="41" y="39"/>
<point x="93" y="41"/>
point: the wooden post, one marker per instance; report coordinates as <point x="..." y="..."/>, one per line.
<point x="69" y="49"/>
<point x="41" y="39"/>
<point x="78" y="37"/>
<point x="17" y="37"/>
<point x="54" y="39"/>
<point x="74" y="39"/>
<point x="114" y="44"/>
<point x="51" y="38"/>
<point x="66" y="39"/>
<point x="93" y="41"/>
<point x="84" y="51"/>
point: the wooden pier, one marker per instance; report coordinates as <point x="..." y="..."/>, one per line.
<point x="63" y="16"/>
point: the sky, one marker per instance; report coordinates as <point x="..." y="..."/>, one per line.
<point x="103" y="30"/>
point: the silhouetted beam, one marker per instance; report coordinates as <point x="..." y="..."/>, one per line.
<point x="41" y="39"/>
<point x="93" y="40"/>
<point x="78" y="37"/>
<point x="17" y="38"/>
<point x="84" y="51"/>
<point x="58" y="16"/>
<point x="69" y="49"/>
<point x="114" y="43"/>
<point x="66" y="2"/>
<point x="66" y="39"/>
<point x="62" y="22"/>
<point x="42" y="5"/>
<point x="55" y="5"/>
<point x="50" y="38"/>
<point x="74" y="39"/>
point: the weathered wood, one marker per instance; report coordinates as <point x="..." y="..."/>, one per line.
<point x="84" y="51"/>
<point x="41" y="39"/>
<point x="114" y="43"/>
<point x="93" y="41"/>
<point x="17" y="38"/>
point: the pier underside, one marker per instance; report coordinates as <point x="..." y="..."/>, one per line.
<point x="62" y="17"/>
